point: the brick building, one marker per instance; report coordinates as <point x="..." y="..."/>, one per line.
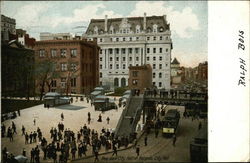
<point x="140" y="77"/>
<point x="76" y="64"/>
<point x="202" y="71"/>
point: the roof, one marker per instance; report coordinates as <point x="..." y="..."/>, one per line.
<point x="101" y="97"/>
<point x="144" y="67"/>
<point x="175" y="61"/>
<point x="132" y="21"/>
<point x="99" y="89"/>
<point x="95" y="93"/>
<point x="52" y="94"/>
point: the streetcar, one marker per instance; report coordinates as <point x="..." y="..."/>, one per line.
<point x="170" y="122"/>
<point x="198" y="146"/>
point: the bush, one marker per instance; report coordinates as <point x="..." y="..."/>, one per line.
<point x="119" y="91"/>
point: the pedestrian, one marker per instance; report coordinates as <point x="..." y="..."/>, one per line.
<point x="18" y="111"/>
<point x="34" y="121"/>
<point x="108" y="120"/>
<point x="146" y="140"/>
<point x="62" y="116"/>
<point x="32" y="155"/>
<point x="174" y="140"/>
<point x="96" y="155"/>
<point x="114" y="150"/>
<point x="24" y="152"/>
<point x="138" y="150"/>
<point x="23" y="130"/>
<point x="100" y="118"/>
<point x="48" y="106"/>
<point x="89" y="119"/>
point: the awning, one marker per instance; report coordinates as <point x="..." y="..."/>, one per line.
<point x="52" y="94"/>
<point x="99" y="89"/>
<point x="96" y="93"/>
<point x="49" y="98"/>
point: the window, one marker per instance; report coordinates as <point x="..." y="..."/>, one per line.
<point x="130" y="58"/>
<point x="110" y="66"/>
<point x="160" y="58"/>
<point x="130" y="50"/>
<point x="160" y="75"/>
<point x="148" y="38"/>
<point x="136" y="50"/>
<point x="117" y="39"/>
<point x="110" y="51"/>
<point x="117" y="51"/>
<point x="137" y="58"/>
<point x="63" y="53"/>
<point x="53" y="53"/>
<point x="53" y="83"/>
<point x="123" y="50"/>
<point x="137" y="29"/>
<point x="153" y="66"/>
<point x="137" y="38"/>
<point x="73" y="82"/>
<point x="123" y="58"/>
<point x="73" y="52"/>
<point x="110" y="59"/>
<point x="100" y="59"/>
<point x="154" y="50"/>
<point x="100" y="66"/>
<point x="123" y="66"/>
<point x="124" y="39"/>
<point x="100" y="39"/>
<point x="153" y="83"/>
<point x="154" y="38"/>
<point x="160" y="66"/>
<point x="100" y="75"/>
<point x="130" y="38"/>
<point x="153" y="75"/>
<point x="64" y="67"/>
<point x="117" y="58"/>
<point x="134" y="81"/>
<point x="160" y="50"/>
<point x="155" y="28"/>
<point x="153" y="58"/>
<point x="111" y="39"/>
<point x="130" y="65"/>
<point x="117" y="66"/>
<point x="41" y="53"/>
<point x="134" y="73"/>
<point x="148" y="50"/>
<point x="147" y="58"/>
<point x="63" y="82"/>
<point x="137" y="65"/>
<point x="101" y="51"/>
<point x="73" y="66"/>
<point x="160" y="37"/>
<point x="159" y="84"/>
<point x="166" y="49"/>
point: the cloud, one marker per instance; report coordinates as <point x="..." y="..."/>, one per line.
<point x="182" y="22"/>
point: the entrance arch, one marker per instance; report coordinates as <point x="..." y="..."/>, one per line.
<point x="123" y="82"/>
<point x="116" y="82"/>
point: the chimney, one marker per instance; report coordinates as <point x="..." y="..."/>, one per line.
<point x="165" y="18"/>
<point x="144" y="22"/>
<point x="106" y="23"/>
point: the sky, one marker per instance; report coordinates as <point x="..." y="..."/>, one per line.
<point x="188" y="20"/>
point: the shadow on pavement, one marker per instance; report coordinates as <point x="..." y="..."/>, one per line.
<point x="70" y="107"/>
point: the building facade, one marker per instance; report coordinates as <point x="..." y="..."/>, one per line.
<point x="132" y="41"/>
<point x="140" y="77"/>
<point x="8" y="26"/>
<point x="17" y="64"/>
<point x="76" y="64"/>
<point x="55" y="36"/>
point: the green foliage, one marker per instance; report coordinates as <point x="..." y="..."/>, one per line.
<point x="119" y="91"/>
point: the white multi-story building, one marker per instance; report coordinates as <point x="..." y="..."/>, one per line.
<point x="132" y="41"/>
<point x="55" y="36"/>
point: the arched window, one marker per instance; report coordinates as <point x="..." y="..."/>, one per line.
<point x="116" y="82"/>
<point x="161" y="29"/>
<point x="149" y="30"/>
<point x="123" y="82"/>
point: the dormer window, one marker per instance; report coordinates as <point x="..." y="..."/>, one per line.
<point x="149" y="30"/>
<point x="161" y="29"/>
<point x="155" y="28"/>
<point x="138" y="29"/>
<point x="96" y="30"/>
<point x="111" y="30"/>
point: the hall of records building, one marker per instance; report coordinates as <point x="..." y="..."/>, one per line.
<point x="132" y="41"/>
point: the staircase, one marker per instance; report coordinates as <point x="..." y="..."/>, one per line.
<point x="133" y="109"/>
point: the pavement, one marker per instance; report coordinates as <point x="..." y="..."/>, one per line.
<point x="75" y="116"/>
<point x="158" y="149"/>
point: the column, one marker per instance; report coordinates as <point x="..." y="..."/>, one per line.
<point x="114" y="58"/>
<point x="134" y="56"/>
<point x="126" y="59"/>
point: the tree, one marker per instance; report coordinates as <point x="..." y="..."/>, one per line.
<point x="45" y="72"/>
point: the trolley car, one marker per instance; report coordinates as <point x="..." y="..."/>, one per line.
<point x="170" y="122"/>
